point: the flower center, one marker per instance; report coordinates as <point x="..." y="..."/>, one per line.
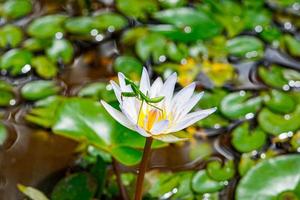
<point x="148" y="119"/>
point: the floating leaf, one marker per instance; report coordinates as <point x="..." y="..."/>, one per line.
<point x="109" y="21"/>
<point x="270" y="178"/>
<point x="32" y="193"/>
<point x="172" y="3"/>
<point x="79" y="25"/>
<point x="35" y="44"/>
<point x="16" y="61"/>
<point x="202" y="183"/>
<point x="245" y="46"/>
<point x="292" y="45"/>
<point x="272" y="76"/>
<point x="3" y="134"/>
<point x="276" y="124"/>
<point x="280" y="102"/>
<point x="46" y="26"/>
<point x="6" y="93"/>
<point x="186" y="24"/>
<point x="245" y="139"/>
<point x="44" y="67"/>
<point x="10" y="36"/>
<point x="60" y="50"/>
<point x="16" y="8"/>
<point x="129" y="66"/>
<point x="214" y="120"/>
<point x="295" y="141"/>
<point x="80" y="186"/>
<point x="140" y="9"/>
<point x="246" y="163"/>
<point x="97" y="90"/>
<point x="130" y="36"/>
<point x="257" y="18"/>
<point x="239" y="104"/>
<point x="219" y="172"/>
<point x="36" y="90"/>
<point x="177" y="52"/>
<point x="151" y="46"/>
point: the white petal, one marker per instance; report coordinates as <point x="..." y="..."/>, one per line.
<point x="123" y="86"/>
<point x="188" y="106"/>
<point x="117" y="90"/>
<point x="118" y="116"/>
<point x="159" y="127"/>
<point x="191" y="118"/>
<point x="181" y="98"/>
<point x="168" y="138"/>
<point x="142" y="131"/>
<point x="145" y="82"/>
<point x="156" y="87"/>
<point x="167" y="89"/>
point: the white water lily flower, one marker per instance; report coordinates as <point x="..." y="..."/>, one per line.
<point x="149" y="121"/>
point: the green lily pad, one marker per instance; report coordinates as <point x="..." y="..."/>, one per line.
<point x="172" y="3"/>
<point x="212" y="98"/>
<point x="61" y="50"/>
<point x="237" y="105"/>
<point x="151" y="45"/>
<point x="3" y="134"/>
<point x="10" y="36"/>
<point x="16" y="8"/>
<point x="270" y="178"/>
<point x="97" y="90"/>
<point x="87" y="121"/>
<point x="280" y="102"/>
<point x="254" y="18"/>
<point x="186" y="24"/>
<point x="36" y="90"/>
<point x="35" y="44"/>
<point x="44" y="67"/>
<point x="202" y="183"/>
<point x="177" y="52"/>
<point x="79" y="25"/>
<point x="46" y="26"/>
<point x="140" y="9"/>
<point x="109" y="21"/>
<point x="272" y="76"/>
<point x="16" y="61"/>
<point x="245" y="139"/>
<point x="32" y="193"/>
<point x="290" y="74"/>
<point x="276" y="124"/>
<point x="246" y="163"/>
<point x="217" y="172"/>
<point x="129" y="66"/>
<point x="295" y="141"/>
<point x="214" y="120"/>
<point x="6" y="93"/>
<point x="292" y="45"/>
<point x="80" y="186"/>
<point x="245" y="47"/>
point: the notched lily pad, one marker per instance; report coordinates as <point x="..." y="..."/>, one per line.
<point x="219" y="172"/>
<point x="129" y="66"/>
<point x="273" y="76"/>
<point x="97" y="90"/>
<point x="10" y="36"/>
<point x="202" y="183"/>
<point x="269" y="179"/>
<point x="280" y="102"/>
<point x="237" y="105"/>
<point x="16" y="8"/>
<point x="44" y="67"/>
<point x="61" y="51"/>
<point x="36" y="90"/>
<point x="6" y="93"/>
<point x="79" y="25"/>
<point x="109" y="21"/>
<point x="246" y="139"/>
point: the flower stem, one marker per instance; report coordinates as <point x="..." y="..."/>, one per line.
<point x="122" y="189"/>
<point x="143" y="168"/>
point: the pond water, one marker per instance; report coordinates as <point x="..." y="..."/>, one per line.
<point x="247" y="62"/>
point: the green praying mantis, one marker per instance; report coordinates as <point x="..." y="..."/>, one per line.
<point x="137" y="93"/>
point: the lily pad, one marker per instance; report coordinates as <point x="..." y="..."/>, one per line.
<point x="245" y="139"/>
<point x="10" y="36"/>
<point x="245" y="47"/>
<point x="129" y="66"/>
<point x="97" y="90"/>
<point x="16" y="8"/>
<point x="46" y="26"/>
<point x="3" y="134"/>
<point x="151" y="46"/>
<point x="276" y="124"/>
<point x="39" y="89"/>
<point x="79" y="25"/>
<point x="16" y="61"/>
<point x="246" y="163"/>
<point x="202" y="183"/>
<point x="292" y="45"/>
<point x="35" y="44"/>
<point x="186" y="24"/>
<point x="6" y="93"/>
<point x="60" y="50"/>
<point x="172" y="3"/>
<point x="109" y="21"/>
<point x="220" y="172"/>
<point x="270" y="178"/>
<point x="177" y="52"/>
<point x="80" y="186"/>
<point x="237" y="105"/>
<point x="140" y="9"/>
<point x="280" y="102"/>
<point x="272" y="76"/>
<point x="44" y="67"/>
